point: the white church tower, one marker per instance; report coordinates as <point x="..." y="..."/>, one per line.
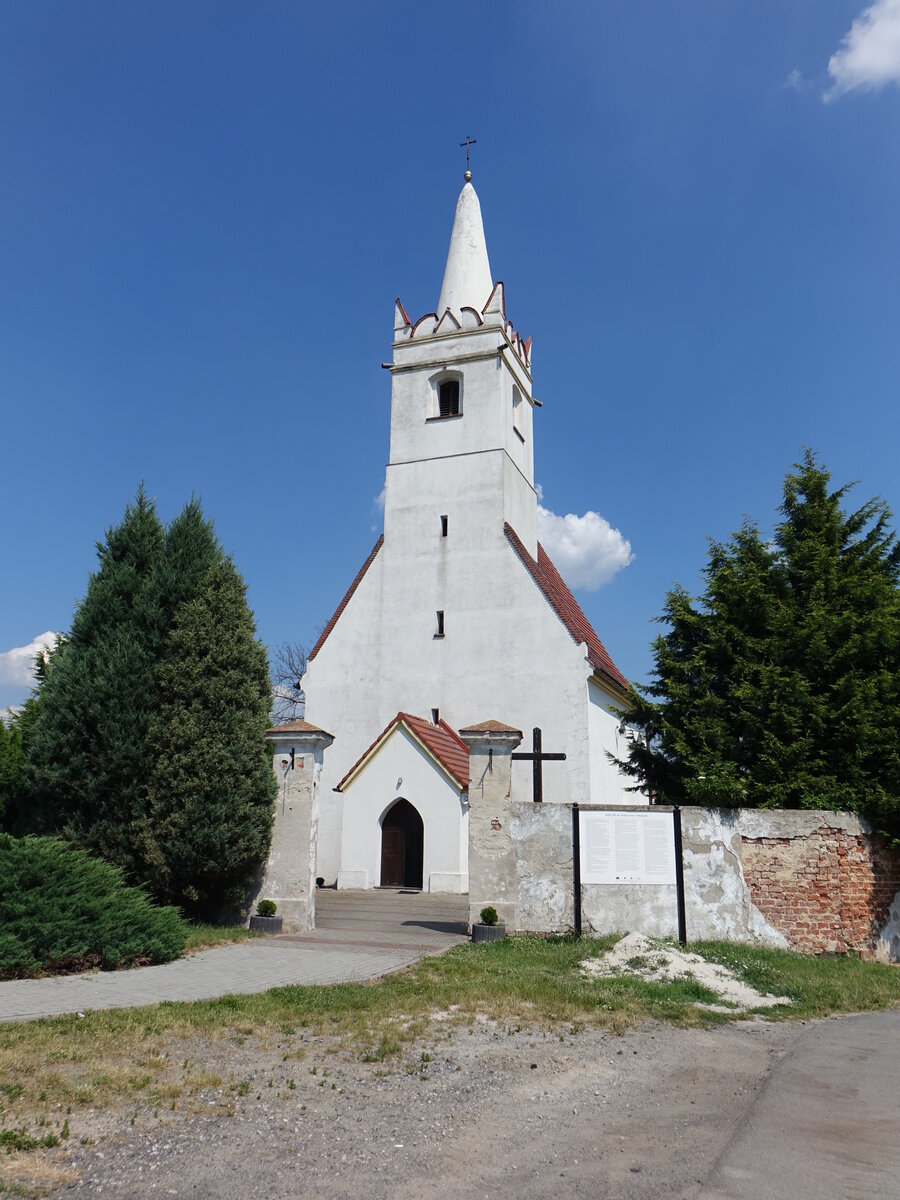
<point x="457" y="616"/>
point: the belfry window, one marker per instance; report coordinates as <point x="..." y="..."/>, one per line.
<point x="439" y="631"/>
<point x="448" y="398"/>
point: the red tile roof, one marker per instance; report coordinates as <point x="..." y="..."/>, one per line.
<point x="566" y="607"/>
<point x="346" y="600"/>
<point x="441" y="742"/>
<point x="490" y="727"/>
<point x="298" y="727"/>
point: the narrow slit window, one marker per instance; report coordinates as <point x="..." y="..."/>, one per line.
<point x="444" y="524"/>
<point x="448" y="398"/>
<point x="436" y="716"/>
<point x="440" y="623"/>
<point x="517" y="415"/>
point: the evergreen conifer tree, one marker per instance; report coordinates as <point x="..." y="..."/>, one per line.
<point x="781" y="687"/>
<point x="89" y="756"/>
<point x="17" y="815"/>
<point x="211" y="787"/>
<point x="148" y="747"/>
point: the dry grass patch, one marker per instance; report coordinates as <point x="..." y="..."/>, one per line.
<point x="160" y="1057"/>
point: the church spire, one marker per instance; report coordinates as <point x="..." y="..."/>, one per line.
<point x="467" y="276"/>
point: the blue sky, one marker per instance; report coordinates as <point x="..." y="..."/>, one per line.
<point x="207" y="209"/>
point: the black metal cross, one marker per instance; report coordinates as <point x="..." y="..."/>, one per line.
<point x="467" y="143"/>
<point x="537" y="758"/>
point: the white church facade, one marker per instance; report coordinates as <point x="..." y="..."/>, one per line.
<point x="458" y="615"/>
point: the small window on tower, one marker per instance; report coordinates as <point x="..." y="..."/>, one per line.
<point x="439" y="632"/>
<point x="444" y="524"/>
<point x="448" y="398"/>
<point x="518" y="415"/>
<point x="436" y="716"/>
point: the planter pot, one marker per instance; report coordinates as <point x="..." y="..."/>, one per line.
<point x="488" y="933"/>
<point x="266" y="924"/>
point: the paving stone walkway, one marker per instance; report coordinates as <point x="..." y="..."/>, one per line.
<point x="358" y="936"/>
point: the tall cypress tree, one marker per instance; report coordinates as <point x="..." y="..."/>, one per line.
<point x="781" y="686"/>
<point x="17" y="814"/>
<point x="89" y="755"/>
<point x="211" y="787"/>
<point x="148" y="746"/>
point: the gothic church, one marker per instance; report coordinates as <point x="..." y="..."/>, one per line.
<point x="457" y="617"/>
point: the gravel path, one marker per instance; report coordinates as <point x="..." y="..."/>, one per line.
<point x="486" y="1112"/>
<point x="751" y="1110"/>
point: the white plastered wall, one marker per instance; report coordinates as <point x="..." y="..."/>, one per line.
<point x="402" y="769"/>
<point x="607" y="784"/>
<point x="506" y="655"/>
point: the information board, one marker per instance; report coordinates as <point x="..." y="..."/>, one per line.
<point x="627" y="847"/>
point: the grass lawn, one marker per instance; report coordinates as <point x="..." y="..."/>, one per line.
<point x="51" y="1068"/>
<point x="202" y="937"/>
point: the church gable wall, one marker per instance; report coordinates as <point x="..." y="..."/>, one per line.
<point x="505" y="651"/>
<point x="340" y="681"/>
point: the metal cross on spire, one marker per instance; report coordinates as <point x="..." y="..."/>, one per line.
<point x="468" y="143"/>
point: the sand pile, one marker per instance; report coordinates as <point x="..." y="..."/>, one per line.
<point x="641" y="956"/>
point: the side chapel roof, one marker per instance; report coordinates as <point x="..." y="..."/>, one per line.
<point x="439" y="742"/>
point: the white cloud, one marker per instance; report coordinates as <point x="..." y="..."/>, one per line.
<point x="869" y="55"/>
<point x="379" y="499"/>
<point x="17" y="665"/>
<point x="586" y="550"/>
<point x="795" y="81"/>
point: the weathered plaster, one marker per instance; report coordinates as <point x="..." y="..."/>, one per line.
<point x="492" y="859"/>
<point x="887" y="946"/>
<point x="717" y="898"/>
<point x="290" y="873"/>
<point x="542" y="836"/>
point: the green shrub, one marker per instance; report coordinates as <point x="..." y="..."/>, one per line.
<point x="489" y="916"/>
<point x="266" y="908"/>
<point x="64" y="910"/>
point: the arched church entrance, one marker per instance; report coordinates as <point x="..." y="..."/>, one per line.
<point x="402" y="846"/>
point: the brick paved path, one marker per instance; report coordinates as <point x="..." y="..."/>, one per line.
<point x="359" y="935"/>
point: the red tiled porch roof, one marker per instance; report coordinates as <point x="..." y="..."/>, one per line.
<point x="440" y="741"/>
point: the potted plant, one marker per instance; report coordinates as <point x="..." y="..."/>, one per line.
<point x="489" y="928"/>
<point x="265" y="921"/>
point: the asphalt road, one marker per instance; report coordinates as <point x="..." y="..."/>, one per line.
<point x="827" y="1121"/>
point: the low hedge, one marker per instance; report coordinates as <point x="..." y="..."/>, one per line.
<point x="64" y="910"/>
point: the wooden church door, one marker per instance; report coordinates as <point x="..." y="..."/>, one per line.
<point x="402" y="846"/>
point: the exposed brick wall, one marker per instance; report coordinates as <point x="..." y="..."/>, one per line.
<point x="827" y="891"/>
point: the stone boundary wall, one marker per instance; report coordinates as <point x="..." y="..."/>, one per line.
<point x="819" y="882"/>
<point x="830" y="889"/>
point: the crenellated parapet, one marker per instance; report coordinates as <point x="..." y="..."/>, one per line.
<point x="465" y="318"/>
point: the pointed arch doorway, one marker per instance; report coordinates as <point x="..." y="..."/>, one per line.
<point x="402" y="846"/>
